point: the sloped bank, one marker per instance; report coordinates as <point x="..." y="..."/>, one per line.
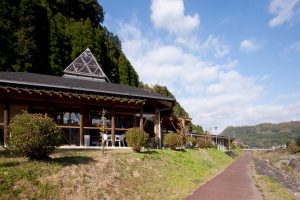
<point x="274" y="176"/>
<point x="88" y="174"/>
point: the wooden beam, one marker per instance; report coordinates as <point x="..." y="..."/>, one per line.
<point x="156" y="122"/>
<point x="131" y="101"/>
<point x="36" y="92"/>
<point x="6" y="120"/>
<point x="113" y="128"/>
<point x="47" y="93"/>
<point x="68" y="126"/>
<point x="81" y="125"/>
<point x="17" y="90"/>
<point x="25" y="90"/>
<point x="99" y="98"/>
<point x="67" y="95"/>
<point x="134" y="121"/>
<point x="141" y="119"/>
<point x="109" y="98"/>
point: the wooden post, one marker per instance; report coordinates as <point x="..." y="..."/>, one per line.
<point x="81" y="130"/>
<point x="156" y="124"/>
<point x="46" y="110"/>
<point x="141" y="119"/>
<point x="113" y="129"/>
<point x="134" y="121"/>
<point x="6" y="119"/>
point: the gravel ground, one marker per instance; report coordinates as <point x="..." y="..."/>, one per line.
<point x="266" y="168"/>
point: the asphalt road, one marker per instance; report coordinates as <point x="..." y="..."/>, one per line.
<point x="234" y="183"/>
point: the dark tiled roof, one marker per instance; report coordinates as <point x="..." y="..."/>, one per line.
<point x="24" y="79"/>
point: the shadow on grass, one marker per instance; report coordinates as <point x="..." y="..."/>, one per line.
<point x="149" y="152"/>
<point x="73" y="160"/>
<point x="9" y="164"/>
<point x="180" y="150"/>
<point x="7" y="154"/>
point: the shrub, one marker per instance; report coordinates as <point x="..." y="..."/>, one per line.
<point x="202" y="143"/>
<point x="172" y="140"/>
<point x="191" y="142"/>
<point x="288" y="142"/>
<point x="233" y="145"/>
<point x="136" y="139"/>
<point x="33" y="136"/>
<point x="298" y="141"/>
<point x="293" y="147"/>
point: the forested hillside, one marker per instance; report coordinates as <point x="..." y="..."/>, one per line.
<point x="44" y="36"/>
<point x="265" y="135"/>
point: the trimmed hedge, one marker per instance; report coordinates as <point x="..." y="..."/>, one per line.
<point x="172" y="141"/>
<point x="293" y="147"/>
<point x="191" y="142"/>
<point x="136" y="139"/>
<point x="203" y="143"/>
<point x="33" y="136"/>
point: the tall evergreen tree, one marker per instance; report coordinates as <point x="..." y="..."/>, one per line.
<point x="32" y="47"/>
<point x="8" y="22"/>
<point x="44" y="36"/>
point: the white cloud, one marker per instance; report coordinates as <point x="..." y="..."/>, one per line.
<point x="249" y="45"/>
<point x="285" y="11"/>
<point x="295" y="46"/>
<point x="265" y="77"/>
<point x="213" y="94"/>
<point x="169" y="15"/>
<point x="219" y="48"/>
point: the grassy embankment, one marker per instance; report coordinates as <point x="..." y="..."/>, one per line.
<point x="87" y="174"/>
<point x="272" y="190"/>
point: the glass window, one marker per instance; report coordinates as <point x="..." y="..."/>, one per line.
<point x="68" y="118"/>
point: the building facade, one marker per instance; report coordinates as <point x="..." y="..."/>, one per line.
<point x="77" y="100"/>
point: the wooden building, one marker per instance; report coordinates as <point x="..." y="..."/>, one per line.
<point x="76" y="100"/>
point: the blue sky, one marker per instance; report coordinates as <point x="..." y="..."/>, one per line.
<point x="234" y="62"/>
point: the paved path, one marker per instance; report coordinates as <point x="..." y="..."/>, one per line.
<point x="235" y="183"/>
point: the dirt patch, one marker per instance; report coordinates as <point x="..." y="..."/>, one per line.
<point x="85" y="180"/>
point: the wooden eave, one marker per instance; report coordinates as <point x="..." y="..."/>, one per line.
<point x="62" y="95"/>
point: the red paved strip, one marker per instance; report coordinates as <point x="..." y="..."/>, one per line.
<point x="235" y="183"/>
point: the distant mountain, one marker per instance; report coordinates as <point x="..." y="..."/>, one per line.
<point x="264" y="135"/>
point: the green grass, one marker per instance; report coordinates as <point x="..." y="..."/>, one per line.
<point x="272" y="190"/>
<point x="22" y="177"/>
<point x="88" y="174"/>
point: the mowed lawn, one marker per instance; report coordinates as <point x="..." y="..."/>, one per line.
<point x="116" y="174"/>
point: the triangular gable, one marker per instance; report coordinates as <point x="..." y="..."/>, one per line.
<point x="85" y="66"/>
